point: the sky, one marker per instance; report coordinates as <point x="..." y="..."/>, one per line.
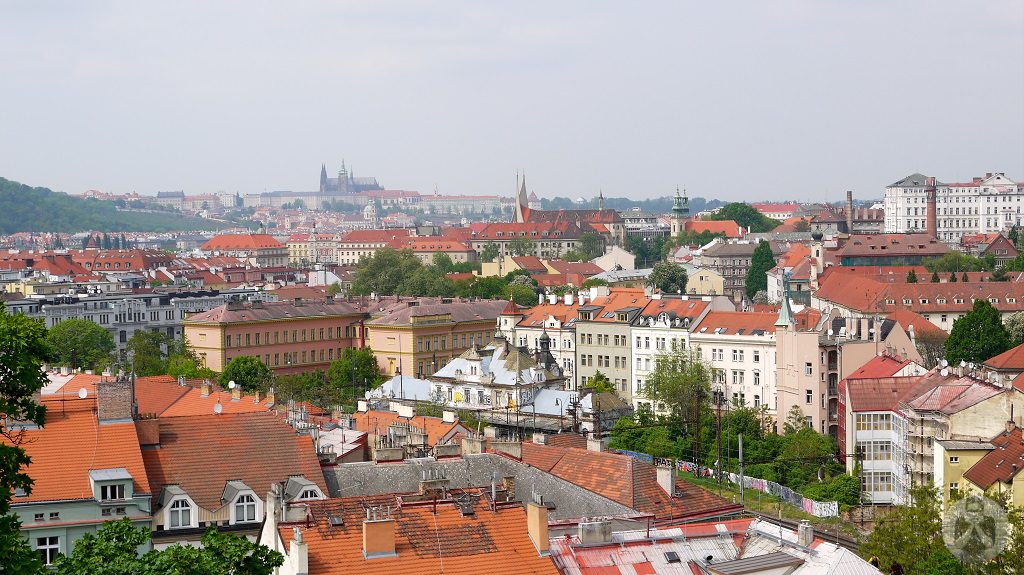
<point x="731" y="100"/>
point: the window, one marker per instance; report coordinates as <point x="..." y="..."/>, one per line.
<point x="808" y="396"/>
<point x="112" y="492"/>
<point x="245" y="508"/>
<point x="310" y="494"/>
<point x="180" y="514"/>
<point x="954" y="459"/>
<point x="757" y="356"/>
<point x="954" y="486"/>
<point x="49" y="548"/>
<point x="808" y="370"/>
<point x="757" y="377"/>
<point x="55" y="516"/>
<point x="39" y="517"/>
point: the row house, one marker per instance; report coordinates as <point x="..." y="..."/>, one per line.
<point x="732" y="260"/>
<point x="548" y="239"/>
<point x="357" y="244"/>
<point x="603" y="336"/>
<point x="740" y="347"/>
<point x="555" y="317"/>
<point x="260" y="250"/>
<point x="940" y="303"/>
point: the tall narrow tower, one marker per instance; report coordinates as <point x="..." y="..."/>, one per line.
<point x="600" y="199"/>
<point x="522" y="202"/>
<point x="680" y="212"/>
<point x="323" y="178"/>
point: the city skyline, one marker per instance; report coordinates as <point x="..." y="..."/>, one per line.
<point x="801" y="102"/>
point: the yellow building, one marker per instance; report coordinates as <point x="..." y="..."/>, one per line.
<point x="952" y="458"/>
<point x="996" y="470"/>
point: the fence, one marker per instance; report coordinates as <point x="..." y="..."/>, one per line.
<point x="815" y="508"/>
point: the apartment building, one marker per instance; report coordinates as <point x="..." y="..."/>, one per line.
<point x="555" y="317"/>
<point x="732" y="260"/>
<point x="741" y="349"/>
<point x="288" y="336"/>
<point x="260" y="250"/>
<point x="547" y="239"/>
<point x="603" y="330"/>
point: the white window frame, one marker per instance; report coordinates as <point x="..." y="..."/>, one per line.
<point x="49" y="548"/>
<point x="173" y="509"/>
<point x="247" y="500"/>
<point x="310" y="493"/>
<point x="116" y="489"/>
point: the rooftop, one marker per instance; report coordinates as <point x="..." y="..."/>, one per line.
<point x="1002" y="463"/>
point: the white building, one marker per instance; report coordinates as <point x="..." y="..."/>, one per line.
<point x="740" y="346"/>
<point x="984" y="205"/>
<point x="555" y="317"/>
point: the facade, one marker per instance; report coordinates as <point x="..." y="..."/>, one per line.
<point x="991" y="474"/>
<point x="606" y="222"/>
<point x="288" y="337"/>
<point x="911" y="249"/>
<point x="741" y="349"/>
<point x="983" y="205"/>
<point x="603" y="336"/>
<point x="732" y="260"/>
<point x="952" y="458"/>
<point x="256" y="249"/>
<point x="418" y="336"/>
<point x="548" y="239"/>
<point x="556" y="317"/>
<point x="993" y="244"/>
<point x="355" y="245"/>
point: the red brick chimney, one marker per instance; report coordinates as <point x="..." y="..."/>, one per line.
<point x="933" y="212"/>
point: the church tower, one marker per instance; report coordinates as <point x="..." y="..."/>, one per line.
<point x="600" y="199"/>
<point x="343" y="180"/>
<point x="323" y="178"/>
<point x="522" y="202"/>
<point x="680" y="213"/>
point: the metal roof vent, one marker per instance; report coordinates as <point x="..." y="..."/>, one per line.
<point x="336" y="520"/>
<point x="672" y="557"/>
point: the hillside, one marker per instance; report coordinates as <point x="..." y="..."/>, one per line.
<point x="28" y="209"/>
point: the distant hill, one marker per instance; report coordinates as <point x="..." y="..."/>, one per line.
<point x="28" y="209"/>
<point x="662" y="205"/>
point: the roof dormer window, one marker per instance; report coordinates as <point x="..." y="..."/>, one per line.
<point x="180" y="514"/>
<point x="114" y="492"/>
<point x="245" y="509"/>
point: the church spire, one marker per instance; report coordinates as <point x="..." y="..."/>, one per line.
<point x="785" y="312"/>
<point x="600" y="199"/>
<point x="522" y="201"/>
<point x="323" y="178"/>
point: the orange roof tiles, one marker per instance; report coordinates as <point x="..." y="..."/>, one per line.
<point x="373" y="236"/>
<point x="426" y="541"/>
<point x="737" y="322"/>
<point x="881" y="393"/>
<point x="617" y="299"/>
<point x="728" y="227"/>
<point x="880" y="366"/>
<point x="70" y="445"/>
<point x="907" y="318"/>
<point x="430" y="244"/>
<point x="1010" y="360"/>
<point x="242" y="242"/>
<point x="201" y="453"/>
<point x="1002" y="463"/>
<point x="378" y="422"/>
<point x="194" y="403"/>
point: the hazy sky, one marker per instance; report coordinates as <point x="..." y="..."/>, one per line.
<point x="757" y="100"/>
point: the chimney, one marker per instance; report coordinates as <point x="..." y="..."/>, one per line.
<point x="537" y="527"/>
<point x="509" y="483"/>
<point x="236" y="393"/>
<point x="206" y="388"/>
<point x="270" y="396"/>
<point x="472" y="444"/>
<point x="115" y="398"/>
<point x="298" y="555"/>
<point x="595" y="444"/>
<point x="148" y="431"/>
<point x="568" y="298"/>
<point x="1010" y="426"/>
<point x="448" y="417"/>
<point x="666" y="479"/>
<point x="378" y="535"/>
<point x="933" y="219"/>
<point x="849" y="211"/>
<point x="804" y="534"/>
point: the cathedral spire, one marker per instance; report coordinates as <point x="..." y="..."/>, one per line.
<point x="600" y="199"/>
<point x="323" y="178"/>
<point x="522" y="202"/>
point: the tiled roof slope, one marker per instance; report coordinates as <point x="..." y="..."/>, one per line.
<point x="1010" y="360"/>
<point x="201" y="453"/>
<point x="425" y="541"/>
<point x="907" y="318"/>
<point x="242" y="242"/>
<point x="880" y="393"/>
<point x="378" y="422"/>
<point x="951" y="394"/>
<point x="625" y="480"/>
<point x="1002" y="463"/>
<point x="269" y="311"/>
<point x="737" y="322"/>
<point x="869" y="295"/>
<point x="879" y="366"/>
<point x="461" y="311"/>
<point x="73" y="442"/>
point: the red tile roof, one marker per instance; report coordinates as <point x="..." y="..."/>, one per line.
<point x="70" y="445"/>
<point x="880" y="394"/>
<point x="878" y="367"/>
<point x="868" y="295"/>
<point x="582" y="268"/>
<point x="377" y="422"/>
<point x="617" y="299"/>
<point x="430" y="244"/>
<point x="728" y="227"/>
<point x="426" y="541"/>
<point x="907" y="318"/>
<point x="891" y="245"/>
<point x="242" y="242"/>
<point x="202" y="453"/>
<point x="735" y="322"/>
<point x="530" y="264"/>
<point x="1010" y="360"/>
<point x="373" y="236"/>
<point x="1002" y="463"/>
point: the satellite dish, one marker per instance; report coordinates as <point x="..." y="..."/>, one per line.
<point x="217" y="408"/>
<point x="231" y="384"/>
<point x="944" y="372"/>
<point x="945" y="363"/>
<point x="83" y="393"/>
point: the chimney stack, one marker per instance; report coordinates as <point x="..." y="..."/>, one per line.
<point x="805" y="534"/>
<point x="933" y="218"/>
<point x="298" y="554"/>
<point x="206" y="388"/>
<point x="115" y="398"/>
<point x="849" y="211"/>
<point x="537" y="526"/>
<point x="270" y="396"/>
<point x="666" y="479"/>
<point x="378" y="535"/>
<point x="236" y="393"/>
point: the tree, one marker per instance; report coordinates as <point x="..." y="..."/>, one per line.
<point x="911" y="277"/>
<point x="935" y="277"/>
<point x="147" y="353"/>
<point x="931" y="345"/>
<point x="521" y="246"/>
<point x="761" y="262"/>
<point x="964" y="278"/>
<point x="959" y="262"/>
<point x="22" y="352"/>
<point x="443" y="262"/>
<point x="601" y="383"/>
<point x="248" y="372"/>
<point x="490" y="252"/>
<point x="802" y="225"/>
<point x="112" y="550"/>
<point x="746" y="216"/>
<point x="952" y="277"/>
<point x="590" y="245"/>
<point x="761" y="297"/>
<point x="999" y="275"/>
<point x="668" y="277"/>
<point x="523" y="295"/>
<point x="977" y="336"/>
<point x="384" y="271"/>
<point x="79" y="343"/>
<point x="682" y="381"/>
<point x="1014" y="324"/>
<point x="334" y="289"/>
<point x="592" y="282"/>
<point x="794" y="420"/>
<point x="355" y="372"/>
<point x="908" y="534"/>
<point x="182" y="361"/>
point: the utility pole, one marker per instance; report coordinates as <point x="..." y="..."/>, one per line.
<point x="741" y="469"/>
<point x="718" y="434"/>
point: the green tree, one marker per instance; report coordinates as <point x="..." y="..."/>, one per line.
<point x="681" y="381"/>
<point x="490" y="252"/>
<point x="668" y="277"/>
<point x="590" y="245"/>
<point x="794" y="420"/>
<point x="601" y="383"/>
<point x="334" y="289"/>
<point x="523" y="295"/>
<point x="964" y="278"/>
<point x="908" y="534"/>
<point x="931" y="345"/>
<point x="911" y="277"/>
<point x="593" y="282"/>
<point x="1014" y="324"/>
<point x="384" y="271"/>
<point x="79" y="343"/>
<point x="935" y="277"/>
<point x="958" y="262"/>
<point x="22" y="352"/>
<point x="761" y="262"/>
<point x="842" y="488"/>
<point x="952" y="277"/>
<point x="355" y="371"/>
<point x="443" y="262"/>
<point x="112" y="550"/>
<point x="248" y="372"/>
<point x="746" y="216"/>
<point x="1014" y="235"/>
<point x="147" y="353"/>
<point x="999" y="275"/>
<point x="977" y="336"/>
<point x="521" y="246"/>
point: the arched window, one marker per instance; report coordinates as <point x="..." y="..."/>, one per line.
<point x="245" y="508"/>
<point x="180" y="514"/>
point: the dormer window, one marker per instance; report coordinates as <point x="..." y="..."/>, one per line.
<point x="311" y="494"/>
<point x="245" y="508"/>
<point x="113" y="492"/>
<point x="179" y="516"/>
